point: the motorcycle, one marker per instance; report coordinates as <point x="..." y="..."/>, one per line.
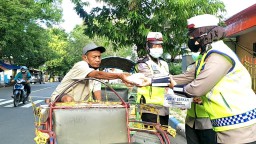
<point x="19" y="92"/>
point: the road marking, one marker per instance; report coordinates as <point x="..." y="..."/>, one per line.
<point x="1" y="103"/>
<point x="41" y="89"/>
<point x="11" y="105"/>
<point x="30" y="104"/>
<point x="23" y="106"/>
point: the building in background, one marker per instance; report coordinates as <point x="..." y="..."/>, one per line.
<point x="7" y="71"/>
<point x="241" y="33"/>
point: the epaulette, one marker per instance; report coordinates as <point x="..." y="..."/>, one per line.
<point x="143" y="60"/>
<point x="162" y="58"/>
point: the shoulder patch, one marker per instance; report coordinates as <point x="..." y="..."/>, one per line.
<point x="143" y="60"/>
<point x="162" y="58"/>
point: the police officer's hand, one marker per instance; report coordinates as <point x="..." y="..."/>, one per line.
<point x="12" y="81"/>
<point x="172" y="82"/>
<point x="28" y="81"/>
<point x="145" y="82"/>
<point x="198" y="100"/>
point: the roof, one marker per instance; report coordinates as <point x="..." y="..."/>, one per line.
<point x="117" y="62"/>
<point x="8" y="66"/>
<point x="242" y="22"/>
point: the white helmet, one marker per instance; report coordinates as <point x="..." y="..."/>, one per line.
<point x="203" y="21"/>
<point x="155" y="38"/>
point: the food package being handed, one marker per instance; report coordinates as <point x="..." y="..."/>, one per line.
<point x="174" y="101"/>
<point x="136" y="78"/>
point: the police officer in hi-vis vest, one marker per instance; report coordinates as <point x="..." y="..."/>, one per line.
<point x="153" y="66"/>
<point x="198" y="127"/>
<point x="222" y="83"/>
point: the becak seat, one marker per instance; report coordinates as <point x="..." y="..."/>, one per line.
<point x="97" y="124"/>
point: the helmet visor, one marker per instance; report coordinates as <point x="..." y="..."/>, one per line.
<point x="156" y="42"/>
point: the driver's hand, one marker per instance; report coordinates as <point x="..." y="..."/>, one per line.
<point x="67" y="98"/>
<point x="47" y="100"/>
<point x="123" y="77"/>
<point x="12" y="81"/>
<point x="28" y="81"/>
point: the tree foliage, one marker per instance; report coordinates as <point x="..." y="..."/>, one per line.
<point x="127" y="22"/>
<point x="59" y="45"/>
<point x="23" y="37"/>
<point x="67" y="49"/>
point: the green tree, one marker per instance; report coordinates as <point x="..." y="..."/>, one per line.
<point x="59" y="58"/>
<point x="22" y="36"/>
<point x="127" y="22"/>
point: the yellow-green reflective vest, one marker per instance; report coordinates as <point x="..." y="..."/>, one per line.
<point x="196" y="110"/>
<point x="231" y="103"/>
<point x="154" y="95"/>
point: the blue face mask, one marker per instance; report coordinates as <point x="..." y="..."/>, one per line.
<point x="195" y="55"/>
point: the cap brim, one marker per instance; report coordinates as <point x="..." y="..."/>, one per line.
<point x="101" y="49"/>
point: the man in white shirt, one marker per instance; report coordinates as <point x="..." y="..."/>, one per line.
<point x="88" y="67"/>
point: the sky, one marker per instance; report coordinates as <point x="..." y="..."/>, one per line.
<point x="71" y="19"/>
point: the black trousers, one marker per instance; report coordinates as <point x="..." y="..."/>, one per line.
<point x="148" y="117"/>
<point x="28" y="88"/>
<point x="195" y="136"/>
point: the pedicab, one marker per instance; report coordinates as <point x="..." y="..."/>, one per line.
<point x="93" y="122"/>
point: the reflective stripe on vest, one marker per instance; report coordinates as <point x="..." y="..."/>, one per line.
<point x="236" y="119"/>
<point x="231" y="102"/>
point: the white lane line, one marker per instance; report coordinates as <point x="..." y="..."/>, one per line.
<point x="30" y="104"/>
<point x="10" y="105"/>
<point x="2" y="99"/>
<point x="1" y="103"/>
<point x="41" y="89"/>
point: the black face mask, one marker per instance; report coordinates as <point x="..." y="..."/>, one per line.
<point x="192" y="46"/>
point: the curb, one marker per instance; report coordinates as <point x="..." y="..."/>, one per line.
<point x="179" y="127"/>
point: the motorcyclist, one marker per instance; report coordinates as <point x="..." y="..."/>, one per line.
<point x="24" y="74"/>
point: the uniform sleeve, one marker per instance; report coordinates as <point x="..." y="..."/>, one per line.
<point x="144" y="68"/>
<point x="215" y="68"/>
<point x="185" y="77"/>
<point x="80" y="70"/>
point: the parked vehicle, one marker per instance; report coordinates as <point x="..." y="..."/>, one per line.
<point x="35" y="79"/>
<point x="19" y="92"/>
<point x="36" y="76"/>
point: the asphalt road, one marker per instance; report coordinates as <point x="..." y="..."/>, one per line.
<point x="17" y="123"/>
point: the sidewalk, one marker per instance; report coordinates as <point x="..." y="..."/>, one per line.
<point x="5" y="85"/>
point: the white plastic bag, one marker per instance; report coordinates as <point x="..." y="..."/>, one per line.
<point x="137" y="78"/>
